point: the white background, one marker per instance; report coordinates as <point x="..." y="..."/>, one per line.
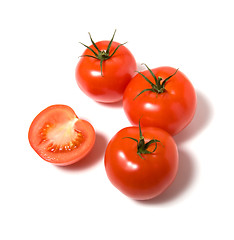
<point x="39" y="49"/>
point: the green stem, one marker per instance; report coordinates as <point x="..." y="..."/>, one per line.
<point x="104" y="54"/>
<point x="142" y="146"/>
<point x="158" y="86"/>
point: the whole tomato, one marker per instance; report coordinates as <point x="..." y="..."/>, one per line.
<point x="141" y="163"/>
<point x="162" y="97"/>
<point x="104" y="70"/>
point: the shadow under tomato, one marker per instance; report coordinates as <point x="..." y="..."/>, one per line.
<point x="184" y="178"/>
<point x="118" y="104"/>
<point x="201" y="119"/>
<point x="93" y="157"/>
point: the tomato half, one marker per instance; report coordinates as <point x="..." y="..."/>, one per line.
<point x="171" y="107"/>
<point x="105" y="79"/>
<point x="59" y="136"/>
<point x="141" y="176"/>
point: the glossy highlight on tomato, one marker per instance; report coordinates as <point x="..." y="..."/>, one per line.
<point x="104" y="70"/>
<point x="141" y="174"/>
<point x="170" y="107"/>
<point x="58" y="136"/>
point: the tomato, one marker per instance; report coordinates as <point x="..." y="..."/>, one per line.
<point x="59" y="136"/>
<point x="103" y="76"/>
<point x="141" y="165"/>
<point x="163" y="97"/>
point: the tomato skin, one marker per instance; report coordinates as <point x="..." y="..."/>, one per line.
<point x="117" y="72"/>
<point x="60" y="114"/>
<point x="138" y="178"/>
<point x="171" y="110"/>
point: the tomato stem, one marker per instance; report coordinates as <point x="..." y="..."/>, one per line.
<point x="101" y="55"/>
<point x="142" y="146"/>
<point x="159" y="85"/>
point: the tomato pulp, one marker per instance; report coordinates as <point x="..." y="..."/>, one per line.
<point x="58" y="136"/>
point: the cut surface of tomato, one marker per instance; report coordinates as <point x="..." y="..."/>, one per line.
<point x="59" y="136"/>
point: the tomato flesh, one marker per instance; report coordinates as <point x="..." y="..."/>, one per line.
<point x="59" y="136"/>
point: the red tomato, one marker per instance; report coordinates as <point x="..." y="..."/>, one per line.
<point x="170" y="105"/>
<point x="141" y="176"/>
<point x="59" y="136"/>
<point x="105" y="77"/>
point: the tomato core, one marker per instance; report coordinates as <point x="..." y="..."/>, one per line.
<point x="61" y="137"/>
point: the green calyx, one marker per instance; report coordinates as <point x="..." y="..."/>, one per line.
<point x="142" y="146"/>
<point x="101" y="55"/>
<point x="159" y="85"/>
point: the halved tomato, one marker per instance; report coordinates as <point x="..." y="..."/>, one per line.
<point x="59" y="136"/>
